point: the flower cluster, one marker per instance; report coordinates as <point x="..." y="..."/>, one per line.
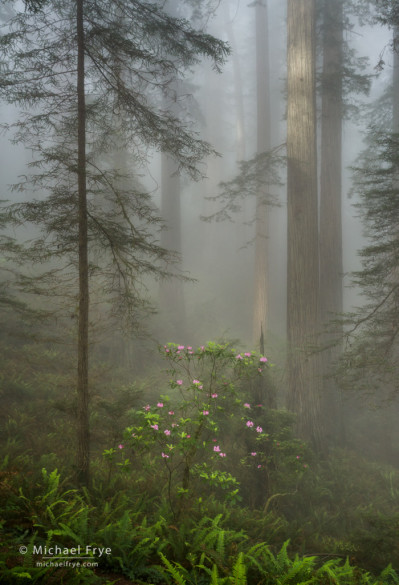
<point x="203" y="381"/>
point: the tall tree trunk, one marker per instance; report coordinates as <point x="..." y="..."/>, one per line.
<point x="238" y="88"/>
<point x="302" y="227"/>
<point x="260" y="305"/>
<point x="171" y="291"/>
<point x="395" y="108"/>
<point x="331" y="268"/>
<point x="83" y="450"/>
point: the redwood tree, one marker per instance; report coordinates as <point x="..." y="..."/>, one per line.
<point x="263" y="126"/>
<point x="302" y="227"/>
<point x="331" y="267"/>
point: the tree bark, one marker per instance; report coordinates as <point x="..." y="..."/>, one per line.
<point x="238" y="88"/>
<point x="302" y="217"/>
<point x="260" y="305"/>
<point x="331" y="267"/>
<point x="395" y="107"/>
<point x="83" y="439"/>
<point x="172" y="301"/>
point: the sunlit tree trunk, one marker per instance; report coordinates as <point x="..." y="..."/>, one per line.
<point x="302" y="227"/>
<point x="83" y="451"/>
<point x="260" y="305"/>
<point x="331" y="268"/>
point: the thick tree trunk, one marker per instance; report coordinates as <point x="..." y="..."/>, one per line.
<point x="83" y="450"/>
<point x="331" y="268"/>
<point x="302" y="227"/>
<point x="260" y="305"/>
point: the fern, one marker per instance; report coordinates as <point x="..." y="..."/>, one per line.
<point x="173" y="570"/>
<point x="389" y="575"/>
<point x="282" y="560"/>
<point x="239" y="571"/>
<point x="214" y="576"/>
<point x="299" y="572"/>
<point x="220" y="547"/>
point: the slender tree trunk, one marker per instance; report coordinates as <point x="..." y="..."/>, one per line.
<point x="331" y="268"/>
<point x="83" y="451"/>
<point x="395" y="109"/>
<point x="302" y="227"/>
<point x="260" y="306"/>
<point x="238" y="88"/>
<point x="171" y="291"/>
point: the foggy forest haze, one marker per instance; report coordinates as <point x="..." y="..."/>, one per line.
<point x="199" y="292"/>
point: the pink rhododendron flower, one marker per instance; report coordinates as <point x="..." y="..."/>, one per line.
<point x="247" y="354"/>
<point x="165" y="455"/>
<point x="253" y="454"/>
<point x="147" y="407"/>
<point x="263" y="359"/>
<point x="189" y="347"/>
<point x="222" y="454"/>
<point x="259" y="429"/>
<point x="120" y="446"/>
<point x="239" y="357"/>
<point x="259" y="466"/>
<point x="214" y="395"/>
<point x="154" y="427"/>
<point x="249" y="423"/>
<point x="246" y="405"/>
<point x="216" y="448"/>
<point x="179" y="382"/>
<point x="298" y="457"/>
<point x="167" y="350"/>
<point x="200" y="387"/>
<point x="171" y="412"/>
<point x="180" y="347"/>
<point x="167" y="432"/>
<point x="202" y="348"/>
<point x="188" y="436"/>
<point x="205" y="412"/>
<point x="160" y="404"/>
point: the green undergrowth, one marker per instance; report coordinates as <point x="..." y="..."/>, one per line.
<point x="201" y="482"/>
<point x="140" y="542"/>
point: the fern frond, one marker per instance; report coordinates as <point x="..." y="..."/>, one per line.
<point x="239" y="571"/>
<point x="173" y="570"/>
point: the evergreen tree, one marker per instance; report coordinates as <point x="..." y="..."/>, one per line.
<point x="341" y="80"/>
<point x="71" y="67"/>
<point x="263" y="138"/>
<point x="370" y="361"/>
<point x="302" y="222"/>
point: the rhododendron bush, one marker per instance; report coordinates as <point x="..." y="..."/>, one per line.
<point x="206" y="436"/>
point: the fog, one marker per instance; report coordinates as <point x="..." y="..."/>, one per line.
<point x="198" y="288"/>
